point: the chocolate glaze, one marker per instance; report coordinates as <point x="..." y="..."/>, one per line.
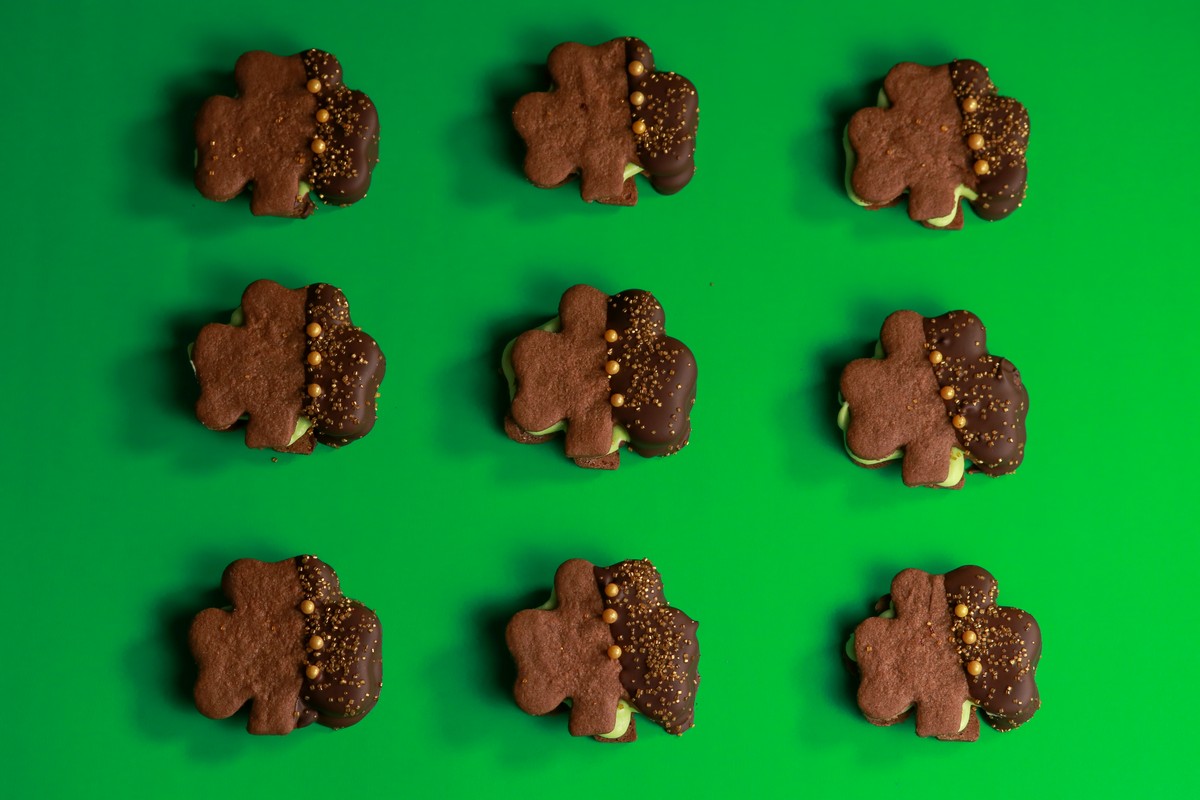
<point x="657" y="375"/>
<point x="660" y="655"/>
<point x="671" y="112"/>
<point x="988" y="392"/>
<point x="351" y="658"/>
<point x="351" y="368"/>
<point x="342" y="174"/>
<point x="1004" y="125"/>
<point x="1008" y="645"/>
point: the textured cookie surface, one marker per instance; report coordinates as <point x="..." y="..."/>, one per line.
<point x="942" y="132"/>
<point x="935" y="390"/>
<point x="609" y="372"/>
<point x="607" y="637"/>
<point x="609" y="108"/>
<point x="292" y="645"/>
<point x="296" y="357"/>
<point x="944" y="648"/>
<point x="294" y="126"/>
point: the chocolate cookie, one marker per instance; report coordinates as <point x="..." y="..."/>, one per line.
<point x="605" y="372"/>
<point x="933" y="395"/>
<point x="294" y="128"/>
<point x="292" y="645"/>
<point x="292" y="365"/>
<point x="607" y="643"/>
<point x="940" y="134"/>
<point x="943" y="646"/>
<point x="609" y="115"/>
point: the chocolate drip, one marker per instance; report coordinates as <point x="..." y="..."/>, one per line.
<point x="987" y="393"/>
<point x="349" y="661"/>
<point x="1003" y="124"/>
<point x="670" y="110"/>
<point x="341" y="174"/>
<point x="1005" y="642"/>
<point x="660" y="654"/>
<point x="656" y="375"/>
<point x="347" y="376"/>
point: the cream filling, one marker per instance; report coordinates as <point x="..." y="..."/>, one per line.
<point x="961" y="191"/>
<point x="625" y="710"/>
<point x="632" y="169"/>
<point x="619" y="435"/>
<point x="958" y="461"/>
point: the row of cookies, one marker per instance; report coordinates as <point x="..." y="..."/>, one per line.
<point x="608" y="645"/>
<point x="939" y="134"/>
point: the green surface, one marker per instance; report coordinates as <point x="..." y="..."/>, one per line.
<point x="121" y="510"/>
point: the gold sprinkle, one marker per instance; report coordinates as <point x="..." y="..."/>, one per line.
<point x="636" y="68"/>
<point x="639" y="127"/>
<point x="981" y="167"/>
<point x="970" y="105"/>
<point x="947" y="393"/>
<point x="617" y="400"/>
<point x="610" y="614"/>
<point x="308" y="607"/>
<point x="959" y="421"/>
<point x="637" y="98"/>
<point x="318" y="145"/>
<point x="312" y="672"/>
<point x="612" y="367"/>
<point x="974" y="667"/>
<point x="313" y="330"/>
<point x="313" y="86"/>
<point x="975" y="141"/>
<point x="935" y="357"/>
<point x="316" y="643"/>
<point x="970" y="637"/>
<point x="314" y="390"/>
<point x="961" y="610"/>
<point x="323" y="115"/>
<point x="314" y="357"/>
<point x="614" y="652"/>
<point x="612" y="590"/>
<point x="610" y="335"/>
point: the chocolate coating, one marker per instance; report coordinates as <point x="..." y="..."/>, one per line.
<point x="671" y="112"/>
<point x="660" y="655"/>
<point x="351" y="658"/>
<point x="342" y="173"/>
<point x="657" y="375"/>
<point x="1004" y="124"/>
<point x="349" y="373"/>
<point x="1008" y="645"/>
<point x="988" y="392"/>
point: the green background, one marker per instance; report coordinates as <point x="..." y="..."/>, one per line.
<point x="121" y="510"/>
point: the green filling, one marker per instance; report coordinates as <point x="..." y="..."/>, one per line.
<point x="632" y="169"/>
<point x="958" y="462"/>
<point x="619" y="435"/>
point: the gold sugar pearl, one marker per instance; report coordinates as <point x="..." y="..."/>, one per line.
<point x="308" y="607"/>
<point x="316" y="643"/>
<point x="312" y="672"/>
<point x="975" y="141"/>
<point x="961" y="610"/>
<point x="974" y="667"/>
<point x="637" y="98"/>
<point x="323" y="115"/>
<point x="639" y="127"/>
<point x="612" y="590"/>
<point x="313" y="86"/>
<point x="609" y="615"/>
<point x="947" y="393"/>
<point x="970" y="105"/>
<point x="315" y="390"/>
<point x="318" y="146"/>
<point x="970" y="637"/>
<point x="959" y="421"/>
<point x="610" y="335"/>
<point x="617" y="400"/>
<point x="935" y="357"/>
<point x="313" y="330"/>
<point x="636" y="68"/>
<point x="314" y="358"/>
<point x="614" y="652"/>
<point x="982" y="167"/>
<point x="612" y="367"/>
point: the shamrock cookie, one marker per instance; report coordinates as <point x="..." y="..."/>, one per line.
<point x="941" y="134"/>
<point x="292" y="645"/>
<point x="605" y="372"/>
<point x="933" y="396"/>
<point x="609" y="116"/>
<point x="294" y="128"/>
<point x="942" y="646"/>
<point x="608" y="644"/>
<point x="293" y="366"/>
